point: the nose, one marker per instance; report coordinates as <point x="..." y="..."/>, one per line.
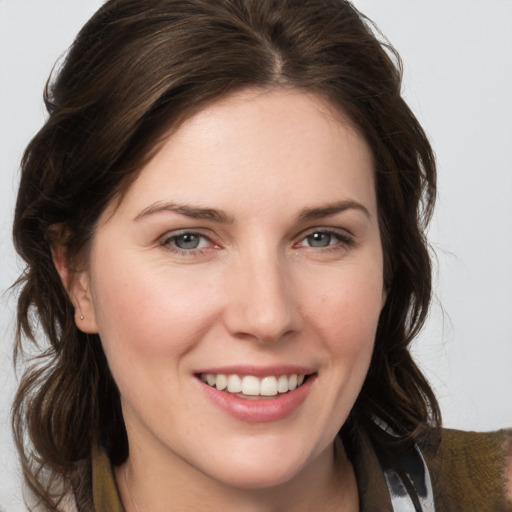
<point x="261" y="301"/>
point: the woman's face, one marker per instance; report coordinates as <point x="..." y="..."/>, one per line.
<point x="246" y="254"/>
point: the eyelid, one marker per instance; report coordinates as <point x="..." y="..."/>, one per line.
<point x="341" y="232"/>
<point x="344" y="238"/>
<point x="183" y="231"/>
<point x="165" y="240"/>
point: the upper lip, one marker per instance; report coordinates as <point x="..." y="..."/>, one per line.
<point x="258" y="371"/>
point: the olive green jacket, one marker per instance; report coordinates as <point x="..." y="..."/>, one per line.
<point x="466" y="468"/>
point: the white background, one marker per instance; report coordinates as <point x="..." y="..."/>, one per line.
<point x="458" y="80"/>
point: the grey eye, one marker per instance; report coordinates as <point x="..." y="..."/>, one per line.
<point x="187" y="241"/>
<point x="320" y="239"/>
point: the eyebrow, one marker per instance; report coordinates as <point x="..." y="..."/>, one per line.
<point x="197" y="212"/>
<point x="328" y="210"/>
<point x="194" y="212"/>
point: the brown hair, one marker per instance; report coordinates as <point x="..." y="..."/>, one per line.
<point x="137" y="68"/>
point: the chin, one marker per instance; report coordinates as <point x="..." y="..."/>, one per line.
<point x="264" y="465"/>
<point x="260" y="477"/>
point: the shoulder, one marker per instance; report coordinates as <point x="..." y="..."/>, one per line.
<point x="470" y="470"/>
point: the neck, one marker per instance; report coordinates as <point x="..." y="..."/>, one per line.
<point x="325" y="485"/>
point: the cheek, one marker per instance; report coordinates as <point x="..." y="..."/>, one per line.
<point x="149" y="313"/>
<point x="345" y="315"/>
<point x="350" y="299"/>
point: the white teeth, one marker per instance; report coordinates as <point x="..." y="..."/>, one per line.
<point x="250" y="385"/>
<point x="282" y="384"/>
<point x="253" y="386"/>
<point x="268" y="386"/>
<point x="222" y="382"/>
<point x="234" y="384"/>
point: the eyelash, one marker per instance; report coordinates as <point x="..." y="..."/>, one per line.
<point x="343" y="241"/>
<point x="169" y="243"/>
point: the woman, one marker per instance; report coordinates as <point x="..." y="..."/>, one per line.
<point x="223" y="223"/>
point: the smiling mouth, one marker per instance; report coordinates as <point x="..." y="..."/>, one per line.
<point x="251" y="387"/>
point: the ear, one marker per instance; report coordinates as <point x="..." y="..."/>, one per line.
<point x="77" y="284"/>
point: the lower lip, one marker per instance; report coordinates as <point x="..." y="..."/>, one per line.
<point x="260" y="411"/>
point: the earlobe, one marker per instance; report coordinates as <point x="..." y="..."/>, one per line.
<point x="81" y="296"/>
<point x="77" y="285"/>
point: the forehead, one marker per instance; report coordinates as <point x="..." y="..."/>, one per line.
<point x="280" y="144"/>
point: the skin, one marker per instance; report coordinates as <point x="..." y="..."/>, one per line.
<point x="260" y="289"/>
